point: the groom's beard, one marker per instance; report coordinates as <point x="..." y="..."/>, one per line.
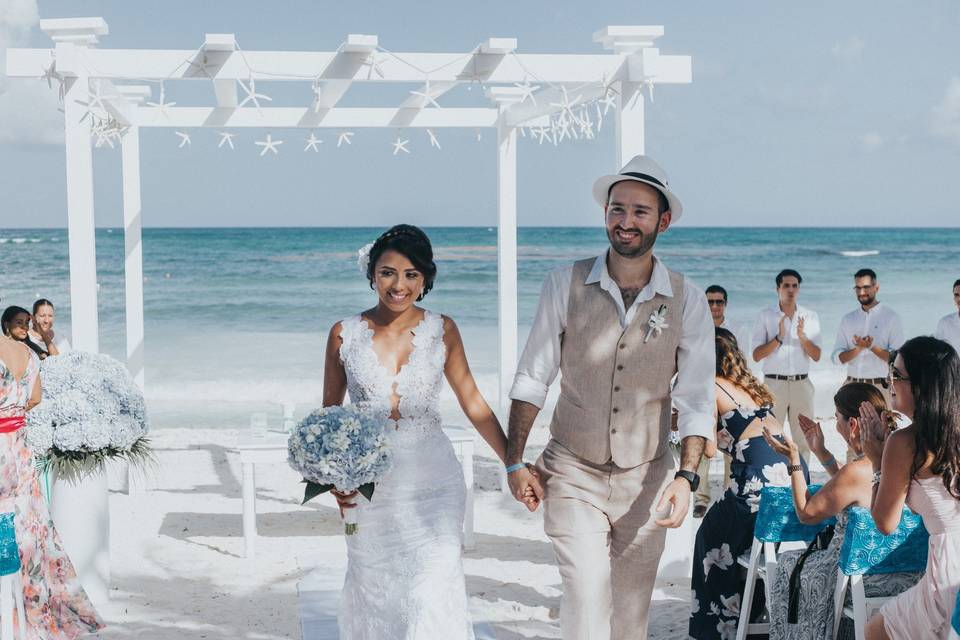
<point x="626" y="250"/>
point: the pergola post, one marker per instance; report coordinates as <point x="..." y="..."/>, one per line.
<point x="84" y="318"/>
<point x="133" y="263"/>
<point x="630" y="122"/>
<point x="507" y="256"/>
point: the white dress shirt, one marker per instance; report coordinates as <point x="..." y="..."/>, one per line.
<point x="789" y="359"/>
<point x="880" y="323"/>
<point x="948" y="329"/>
<point x="693" y="394"/>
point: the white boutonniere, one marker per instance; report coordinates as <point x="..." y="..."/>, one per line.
<point x="657" y="323"/>
<point x="363" y="258"/>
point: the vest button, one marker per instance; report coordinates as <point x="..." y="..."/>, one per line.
<point x="615" y="410"/>
<point x="616" y="388"/>
<point x="613" y="430"/>
<point x="623" y="346"/>
<point x="619" y="367"/>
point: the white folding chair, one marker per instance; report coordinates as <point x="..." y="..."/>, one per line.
<point x="777" y="522"/>
<point x="866" y="551"/>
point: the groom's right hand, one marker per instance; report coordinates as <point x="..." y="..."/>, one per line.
<point x="525" y="487"/>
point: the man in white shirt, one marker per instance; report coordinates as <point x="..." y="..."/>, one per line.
<point x="618" y="327"/>
<point x="786" y="339"/>
<point x="948" y="329"/>
<point x="867" y="335"/>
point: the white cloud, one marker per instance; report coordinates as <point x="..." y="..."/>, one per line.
<point x="946" y="114"/>
<point x="28" y="109"/>
<point x="872" y="141"/>
<point x="850" y="50"/>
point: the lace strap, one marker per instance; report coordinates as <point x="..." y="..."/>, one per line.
<point x="739" y="406"/>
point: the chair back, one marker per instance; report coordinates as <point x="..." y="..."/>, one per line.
<point x="9" y="552"/>
<point x="777" y="519"/>
<point x="867" y="551"/>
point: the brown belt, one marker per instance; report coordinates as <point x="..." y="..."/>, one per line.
<point x="775" y="376"/>
<point x="883" y="382"/>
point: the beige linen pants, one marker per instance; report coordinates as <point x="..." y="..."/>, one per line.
<point x="600" y="519"/>
<point x="792" y="398"/>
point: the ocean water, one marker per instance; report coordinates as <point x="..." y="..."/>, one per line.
<point x="236" y="319"/>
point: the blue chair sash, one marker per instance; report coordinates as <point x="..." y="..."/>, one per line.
<point x="777" y="518"/>
<point x="867" y="551"/>
<point x="9" y="552"/>
<point x="956" y="615"/>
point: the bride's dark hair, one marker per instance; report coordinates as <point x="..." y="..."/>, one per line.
<point x="414" y="244"/>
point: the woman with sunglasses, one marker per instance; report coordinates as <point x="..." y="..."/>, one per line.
<point x="920" y="465"/>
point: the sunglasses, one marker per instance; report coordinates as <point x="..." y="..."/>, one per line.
<point x="897" y="376"/>
<point x="716" y="303"/>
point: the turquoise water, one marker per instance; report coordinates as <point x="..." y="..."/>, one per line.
<point x="236" y="319"/>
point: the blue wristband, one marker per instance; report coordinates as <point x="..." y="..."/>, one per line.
<point x="516" y="467"/>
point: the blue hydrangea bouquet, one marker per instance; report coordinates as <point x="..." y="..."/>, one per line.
<point x="342" y="448"/>
<point x="91" y="411"/>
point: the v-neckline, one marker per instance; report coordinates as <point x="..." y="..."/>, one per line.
<point x="413" y="346"/>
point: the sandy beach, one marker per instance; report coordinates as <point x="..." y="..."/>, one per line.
<point x="178" y="569"/>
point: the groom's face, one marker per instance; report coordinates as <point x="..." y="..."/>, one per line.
<point x="633" y="218"/>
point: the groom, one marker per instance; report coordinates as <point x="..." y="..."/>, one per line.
<point x="618" y="327"/>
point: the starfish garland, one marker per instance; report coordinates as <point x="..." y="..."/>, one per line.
<point x="433" y="139"/>
<point x="269" y="144"/>
<point x="184" y="139"/>
<point x="400" y="145"/>
<point x="226" y="138"/>
<point x="426" y="95"/>
<point x="312" y="143"/>
<point x="344" y="138"/>
<point x="252" y="95"/>
<point x="162" y="105"/>
<point x="528" y="90"/>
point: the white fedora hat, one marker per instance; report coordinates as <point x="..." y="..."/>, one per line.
<point x="639" y="169"/>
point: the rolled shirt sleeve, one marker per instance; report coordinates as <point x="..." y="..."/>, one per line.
<point x="842" y="344"/>
<point x="896" y="333"/>
<point x="813" y="328"/>
<point x="540" y="361"/>
<point x="693" y="394"/>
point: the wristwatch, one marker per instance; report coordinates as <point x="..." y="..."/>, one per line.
<point x="690" y="477"/>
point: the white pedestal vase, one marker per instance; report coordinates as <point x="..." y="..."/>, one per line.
<point x="80" y="509"/>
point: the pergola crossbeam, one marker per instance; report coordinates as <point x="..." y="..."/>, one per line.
<point x="307" y="118"/>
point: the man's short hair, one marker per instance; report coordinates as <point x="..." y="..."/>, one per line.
<point x="715" y="288"/>
<point x="956" y="284"/>
<point x="662" y="204"/>
<point x="865" y="273"/>
<point x="788" y="272"/>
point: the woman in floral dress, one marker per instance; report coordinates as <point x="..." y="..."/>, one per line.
<point x="56" y="606"/>
<point x="744" y="410"/>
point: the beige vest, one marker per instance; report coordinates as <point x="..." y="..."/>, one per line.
<point x="615" y="389"/>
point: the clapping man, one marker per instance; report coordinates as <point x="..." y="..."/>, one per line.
<point x="867" y="335"/>
<point x="786" y="340"/>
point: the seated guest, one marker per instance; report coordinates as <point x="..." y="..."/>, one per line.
<point x="802" y="607"/>
<point x="41" y="331"/>
<point x="920" y="465"/>
<point x="743" y="406"/>
<point x="15" y="323"/>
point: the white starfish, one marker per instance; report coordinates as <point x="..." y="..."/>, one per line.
<point x="567" y="105"/>
<point x="317" y="89"/>
<point x="162" y="105"/>
<point x="541" y="133"/>
<point x="608" y="101"/>
<point x="226" y="138"/>
<point x="312" y="143"/>
<point x="50" y="74"/>
<point x="433" y="139"/>
<point x="344" y="138"/>
<point x="426" y="95"/>
<point x="184" y="139"/>
<point x="400" y="145"/>
<point x="648" y="82"/>
<point x="528" y="90"/>
<point x="269" y="144"/>
<point x="94" y="106"/>
<point x="252" y="95"/>
<point x="608" y="87"/>
<point x="372" y="65"/>
<point x="203" y="66"/>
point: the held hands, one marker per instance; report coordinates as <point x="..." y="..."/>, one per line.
<point x="873" y="432"/>
<point x="676" y="496"/>
<point x="784" y="445"/>
<point x="813" y="434"/>
<point x="525" y="487"/>
<point x="863" y="342"/>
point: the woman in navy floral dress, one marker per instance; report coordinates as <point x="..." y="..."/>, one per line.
<point x="743" y="409"/>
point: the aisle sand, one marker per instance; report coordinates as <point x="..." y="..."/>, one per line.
<point x="178" y="570"/>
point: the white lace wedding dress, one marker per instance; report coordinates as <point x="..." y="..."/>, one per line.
<point x="405" y="572"/>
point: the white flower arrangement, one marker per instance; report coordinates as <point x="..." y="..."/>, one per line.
<point x="91" y="411"/>
<point x="363" y="257"/>
<point x="656" y="323"/>
<point x="342" y="448"/>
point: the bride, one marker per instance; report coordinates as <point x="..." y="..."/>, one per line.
<point x="404" y="573"/>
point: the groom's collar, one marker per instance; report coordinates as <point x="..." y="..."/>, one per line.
<point x="659" y="279"/>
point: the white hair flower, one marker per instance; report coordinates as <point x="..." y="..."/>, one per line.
<point x="363" y="258"/>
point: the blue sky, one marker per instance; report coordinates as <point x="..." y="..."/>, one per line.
<point x="801" y="114"/>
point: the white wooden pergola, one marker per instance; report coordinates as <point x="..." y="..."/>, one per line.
<point x="111" y="93"/>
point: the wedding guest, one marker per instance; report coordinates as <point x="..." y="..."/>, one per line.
<point x="948" y="329"/>
<point x="56" y="606"/>
<point x="867" y="335"/>
<point x="15" y="324"/>
<point x="786" y="339"/>
<point x="743" y="405"/>
<point x="41" y="330"/>
<point x="802" y="606"/>
<point x="920" y="465"/>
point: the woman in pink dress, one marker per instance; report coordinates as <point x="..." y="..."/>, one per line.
<point x="920" y="465"/>
<point x="56" y="606"/>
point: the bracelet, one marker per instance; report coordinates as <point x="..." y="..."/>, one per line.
<point x="778" y="339"/>
<point x="793" y="468"/>
<point x="827" y="463"/>
<point x="876" y="478"/>
<point x="516" y="467"/>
